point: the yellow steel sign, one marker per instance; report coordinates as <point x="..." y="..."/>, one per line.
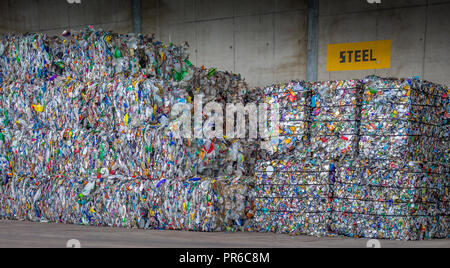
<point x="359" y="56"/>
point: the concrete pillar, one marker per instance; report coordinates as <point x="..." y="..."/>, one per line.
<point x="313" y="40"/>
<point x="137" y="19"/>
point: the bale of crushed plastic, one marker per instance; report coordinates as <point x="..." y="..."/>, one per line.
<point x="196" y="204"/>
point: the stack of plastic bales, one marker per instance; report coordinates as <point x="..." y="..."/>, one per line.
<point x="87" y="124"/>
<point x="335" y="112"/>
<point x="399" y="187"/>
<point x="195" y="204"/>
<point x="93" y="101"/>
<point x="384" y="174"/>
<point x="288" y="191"/>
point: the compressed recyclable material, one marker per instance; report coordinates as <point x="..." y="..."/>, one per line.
<point x="384" y="174"/>
<point x="290" y="135"/>
<point x="290" y="197"/>
<point x="197" y="204"/>
<point x="78" y="122"/>
<point x="90" y="55"/>
<point x="334" y="113"/>
<point x="88" y="135"/>
<point x="400" y="118"/>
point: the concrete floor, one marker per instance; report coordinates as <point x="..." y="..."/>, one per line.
<point x="38" y="235"/>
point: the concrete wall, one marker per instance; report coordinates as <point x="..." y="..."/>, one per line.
<point x="54" y="16"/>
<point x="419" y="30"/>
<point x="264" y="40"/>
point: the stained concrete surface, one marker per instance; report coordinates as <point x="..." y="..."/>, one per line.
<point x="50" y="235"/>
